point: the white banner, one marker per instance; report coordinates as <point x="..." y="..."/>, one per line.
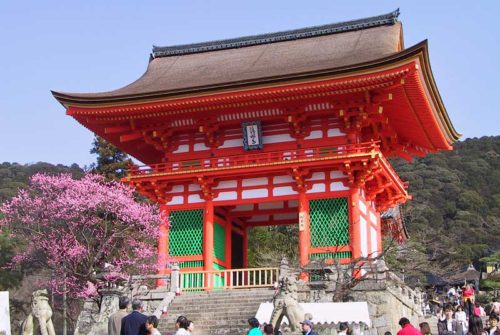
<point x="4" y="313"/>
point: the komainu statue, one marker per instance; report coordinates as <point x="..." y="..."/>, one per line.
<point x="286" y="304"/>
<point x="39" y="320"/>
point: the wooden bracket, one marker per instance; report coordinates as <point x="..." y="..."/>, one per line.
<point x="300" y="175"/>
<point x="210" y="128"/>
<point x="206" y="185"/>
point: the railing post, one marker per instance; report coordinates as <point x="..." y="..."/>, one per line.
<point x="174" y="278"/>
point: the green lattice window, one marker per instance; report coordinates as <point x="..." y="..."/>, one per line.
<point x="190" y="264"/>
<point x="330" y="255"/>
<point x="219" y="242"/>
<point x="185" y="236"/>
<point x="329" y="222"/>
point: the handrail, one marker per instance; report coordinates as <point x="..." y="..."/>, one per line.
<point x="228" y="279"/>
<point x="258" y="158"/>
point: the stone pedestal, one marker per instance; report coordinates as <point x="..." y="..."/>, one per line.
<point x="94" y="321"/>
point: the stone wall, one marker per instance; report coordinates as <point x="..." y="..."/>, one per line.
<point x="389" y="301"/>
<point x="93" y="319"/>
<point x="387" y="296"/>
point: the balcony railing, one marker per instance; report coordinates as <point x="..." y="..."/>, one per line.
<point x="226" y="279"/>
<point x="271" y="157"/>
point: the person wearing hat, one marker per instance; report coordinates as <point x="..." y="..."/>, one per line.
<point x="307" y="328"/>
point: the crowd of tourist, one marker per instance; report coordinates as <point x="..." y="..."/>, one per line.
<point x="449" y="325"/>
<point x="460" y="315"/>
<point x="255" y="328"/>
<point x="136" y="323"/>
<point x="462" y="298"/>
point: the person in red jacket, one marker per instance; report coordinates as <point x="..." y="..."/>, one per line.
<point x="407" y="328"/>
<point x="468" y="296"/>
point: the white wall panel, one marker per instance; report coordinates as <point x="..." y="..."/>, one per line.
<point x="284" y="190"/>
<point x="257" y="193"/>
<point x="232" y="195"/>
<point x="363" y="238"/>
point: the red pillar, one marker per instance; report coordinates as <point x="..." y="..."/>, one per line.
<point x="354" y="228"/>
<point x="163" y="244"/>
<point x="304" y="232"/>
<point x="208" y="236"/>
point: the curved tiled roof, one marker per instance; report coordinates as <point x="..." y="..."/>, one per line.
<point x="257" y="59"/>
<point x="289" y="35"/>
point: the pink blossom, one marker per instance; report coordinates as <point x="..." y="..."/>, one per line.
<point x="74" y="227"/>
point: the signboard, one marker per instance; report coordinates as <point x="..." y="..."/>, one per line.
<point x="4" y="313"/>
<point x="302" y="221"/>
<point x="252" y="135"/>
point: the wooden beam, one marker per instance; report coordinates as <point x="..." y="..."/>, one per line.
<point x="117" y="129"/>
<point x="272" y="223"/>
<point x="264" y="212"/>
<point x="130" y="137"/>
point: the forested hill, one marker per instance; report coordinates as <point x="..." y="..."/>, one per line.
<point x="452" y="220"/>
<point x="14" y="176"/>
<point x="454" y="217"/>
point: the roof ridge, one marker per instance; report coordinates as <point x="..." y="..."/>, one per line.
<point x="287" y="35"/>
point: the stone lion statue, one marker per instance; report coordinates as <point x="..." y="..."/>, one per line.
<point x="39" y="320"/>
<point x="286" y="304"/>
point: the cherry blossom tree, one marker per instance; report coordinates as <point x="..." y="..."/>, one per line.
<point x="76" y="228"/>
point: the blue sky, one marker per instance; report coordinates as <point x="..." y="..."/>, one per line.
<point x="93" y="46"/>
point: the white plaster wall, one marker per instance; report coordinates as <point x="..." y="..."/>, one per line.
<point x="277" y="138"/>
<point x="4" y="313"/>
<point x="373" y="241"/>
<point x="362" y="206"/>
<point x="364" y="239"/>
<point x="257" y="193"/>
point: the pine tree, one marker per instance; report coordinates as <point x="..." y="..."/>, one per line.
<point x="111" y="161"/>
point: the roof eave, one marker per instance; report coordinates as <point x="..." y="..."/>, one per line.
<point x="419" y="50"/>
<point x="75" y="99"/>
<point x="450" y="132"/>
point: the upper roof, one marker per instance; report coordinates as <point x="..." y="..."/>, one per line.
<point x="282" y="36"/>
<point x="247" y="60"/>
<point x="347" y="58"/>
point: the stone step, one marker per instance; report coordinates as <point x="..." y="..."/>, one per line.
<point x="216" y="312"/>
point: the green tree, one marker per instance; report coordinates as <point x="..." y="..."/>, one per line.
<point x="111" y="161"/>
<point x="455" y="209"/>
<point x="8" y="277"/>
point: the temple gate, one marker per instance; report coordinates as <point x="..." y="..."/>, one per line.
<point x="289" y="128"/>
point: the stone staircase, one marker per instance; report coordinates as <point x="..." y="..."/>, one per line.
<point x="216" y="312"/>
<point x="431" y="320"/>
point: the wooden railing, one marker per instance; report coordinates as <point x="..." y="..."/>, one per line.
<point x="228" y="279"/>
<point x="252" y="159"/>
